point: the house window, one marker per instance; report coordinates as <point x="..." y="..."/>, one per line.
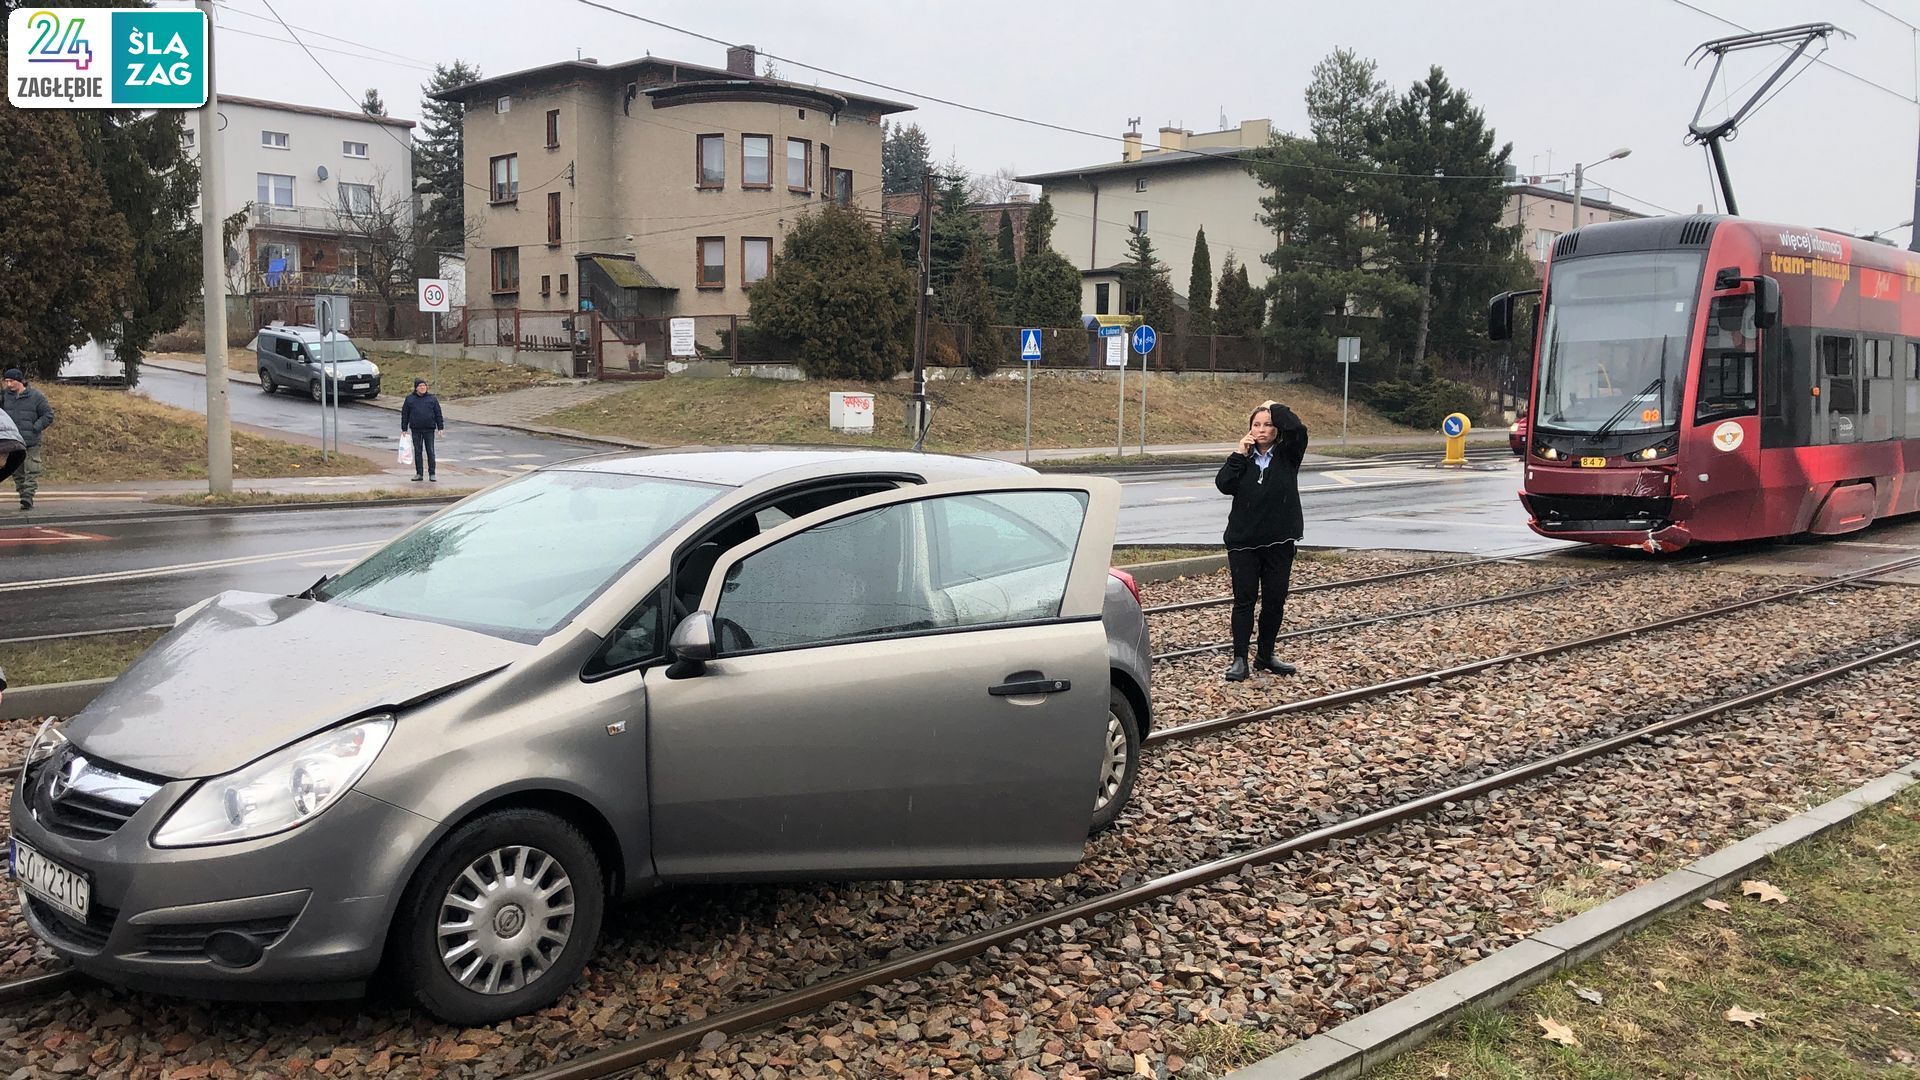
<point x="713" y="262"/>
<point x="353" y="149"/>
<point x="1140" y="184"/>
<point x="270" y="254"/>
<point x="506" y="270"/>
<point x="826" y="171"/>
<point x="756" y="161"/>
<point x="502" y="104"/>
<point x="563" y="284"/>
<point x="187" y="138"/>
<point x="506" y="177"/>
<point x="1140" y="222"/>
<point x="553" y="129"/>
<point x="1543" y="243"/>
<point x="272" y="189"/>
<point x="356" y="199"/>
<point x="553" y="217"/>
<point x="546" y="284"/>
<point x="276" y="140"/>
<point x="713" y="161"/>
<point x="843" y="186"/>
<point x="1100" y="299"/>
<point x="799" y="165"/>
<point x="756" y="255"/>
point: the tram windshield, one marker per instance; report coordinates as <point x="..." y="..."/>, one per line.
<point x="1614" y="345"/>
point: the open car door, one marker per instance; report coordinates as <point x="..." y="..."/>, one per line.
<point x="909" y="684"/>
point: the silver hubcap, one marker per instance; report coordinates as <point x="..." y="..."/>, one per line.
<point x="1114" y="769"/>
<point x="505" y="920"/>
<point x="266" y="380"/>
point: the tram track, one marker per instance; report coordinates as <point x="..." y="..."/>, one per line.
<point x="1353" y="582"/>
<point x="619" y="1059"/>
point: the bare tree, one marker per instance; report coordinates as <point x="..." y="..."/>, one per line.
<point x="391" y="242"/>
<point x="997" y="186"/>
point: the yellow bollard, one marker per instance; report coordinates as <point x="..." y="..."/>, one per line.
<point x="1455" y="428"/>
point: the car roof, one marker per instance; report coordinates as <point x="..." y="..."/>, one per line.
<point x="304" y="333"/>
<point x="738" y="468"/>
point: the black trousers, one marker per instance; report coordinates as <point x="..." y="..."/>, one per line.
<point x="1261" y="573"/>
<point x="423" y="451"/>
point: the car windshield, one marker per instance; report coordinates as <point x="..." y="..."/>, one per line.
<point x="334" y="348"/>
<point x="1614" y="347"/>
<point x="518" y="561"/>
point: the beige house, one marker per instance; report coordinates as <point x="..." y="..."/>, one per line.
<point x="1543" y="208"/>
<point x="652" y="187"/>
<point x="1169" y="192"/>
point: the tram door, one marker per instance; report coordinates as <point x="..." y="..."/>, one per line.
<point x="1723" y="452"/>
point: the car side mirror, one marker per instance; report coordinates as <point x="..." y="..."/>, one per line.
<point x="1766" y="308"/>
<point x="691" y="645"/>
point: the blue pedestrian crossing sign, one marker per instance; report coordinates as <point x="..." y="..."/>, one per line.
<point x="1030" y="346"/>
<point x="1143" y="339"/>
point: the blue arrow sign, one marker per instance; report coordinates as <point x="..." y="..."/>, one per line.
<point x="1451" y="426"/>
<point x="1029" y="346"/>
<point x="1110" y="331"/>
<point x="1143" y="340"/>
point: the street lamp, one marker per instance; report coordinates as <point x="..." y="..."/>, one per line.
<point x="1580" y="176"/>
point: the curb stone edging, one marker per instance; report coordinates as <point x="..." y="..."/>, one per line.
<point x="50" y="699"/>
<point x="1367" y="1042"/>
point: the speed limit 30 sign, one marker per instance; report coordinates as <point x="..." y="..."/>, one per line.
<point x="433" y="295"/>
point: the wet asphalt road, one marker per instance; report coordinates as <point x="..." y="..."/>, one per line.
<point x="120" y="572"/>
<point x="475" y="447"/>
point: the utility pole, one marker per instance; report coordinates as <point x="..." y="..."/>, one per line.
<point x="1579" y="177"/>
<point x="1913" y="243"/>
<point x="213" y="283"/>
<point x="919" y="417"/>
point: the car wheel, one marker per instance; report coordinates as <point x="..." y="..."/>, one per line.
<point x="266" y="382"/>
<point x="1119" y="760"/>
<point x="501" y="917"/>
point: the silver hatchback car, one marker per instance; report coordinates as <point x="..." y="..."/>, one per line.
<point x="582" y="684"/>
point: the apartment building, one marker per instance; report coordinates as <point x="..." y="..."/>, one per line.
<point x="1169" y="191"/>
<point x="652" y="187"/>
<point x="307" y="178"/>
<point x="1543" y="207"/>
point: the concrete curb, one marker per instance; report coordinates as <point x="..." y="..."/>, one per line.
<point x="1169" y="569"/>
<point x="52" y="699"/>
<point x="1370" y="1041"/>
<point x="157" y="511"/>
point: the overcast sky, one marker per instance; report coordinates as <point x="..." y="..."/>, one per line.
<point x="1831" y="151"/>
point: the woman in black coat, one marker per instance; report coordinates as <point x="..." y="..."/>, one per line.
<point x="1263" y="477"/>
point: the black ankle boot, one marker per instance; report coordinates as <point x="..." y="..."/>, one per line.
<point x="1278" y="667"/>
<point x="1237" y="671"/>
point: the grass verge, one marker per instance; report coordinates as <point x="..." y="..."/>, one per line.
<point x="107" y="435"/>
<point x="1135" y="554"/>
<point x="458" y="378"/>
<point x="96" y="656"/>
<point x="968" y="416"/>
<point x="275" y="498"/>
<point x="1102" y="461"/>
<point x="1834" y="973"/>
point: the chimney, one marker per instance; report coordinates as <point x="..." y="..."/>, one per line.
<point x="740" y="59"/>
<point x="1172" y="138"/>
<point x="1256" y="132"/>
<point x="1130" y="146"/>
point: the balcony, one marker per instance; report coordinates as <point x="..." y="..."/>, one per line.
<point x="303" y="282"/>
<point x="313" y="219"/>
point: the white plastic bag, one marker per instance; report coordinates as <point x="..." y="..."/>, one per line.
<point x="406" y="449"/>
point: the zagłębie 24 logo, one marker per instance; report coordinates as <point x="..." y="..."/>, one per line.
<point x="92" y="58"/>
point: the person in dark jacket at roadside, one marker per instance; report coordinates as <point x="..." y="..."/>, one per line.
<point x="1263" y="477"/>
<point x="33" y="416"/>
<point x="421" y="415"/>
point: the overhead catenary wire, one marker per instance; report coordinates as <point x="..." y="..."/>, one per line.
<point x="1855" y="76"/>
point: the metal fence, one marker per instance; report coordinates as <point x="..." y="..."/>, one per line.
<point x="514" y="328"/>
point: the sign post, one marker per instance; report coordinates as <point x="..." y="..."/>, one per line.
<point x="1117" y="358"/>
<point x="1143" y="342"/>
<point x="1030" y="355"/>
<point x="1349" y="356"/>
<point x="434" y="299"/>
<point x="1455" y="428"/>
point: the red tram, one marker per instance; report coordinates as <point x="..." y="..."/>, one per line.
<point x="1706" y="378"/>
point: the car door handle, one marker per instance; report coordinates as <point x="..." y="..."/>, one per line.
<point x="1030" y="686"/>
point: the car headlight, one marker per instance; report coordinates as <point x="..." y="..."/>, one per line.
<point x="373" y="369"/>
<point x="46" y="743"/>
<point x="286" y="788"/>
<point x="1513" y="428"/>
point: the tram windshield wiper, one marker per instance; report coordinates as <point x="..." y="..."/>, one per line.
<point x="1657" y="387"/>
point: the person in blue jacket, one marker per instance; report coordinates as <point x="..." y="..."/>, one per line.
<point x="421" y="415"/>
<point x="1263" y="477"/>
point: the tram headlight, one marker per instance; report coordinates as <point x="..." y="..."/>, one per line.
<point x="1549" y="453"/>
<point x="1653" y="453"/>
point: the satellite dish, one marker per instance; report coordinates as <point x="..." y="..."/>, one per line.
<point x="323" y="172"/>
